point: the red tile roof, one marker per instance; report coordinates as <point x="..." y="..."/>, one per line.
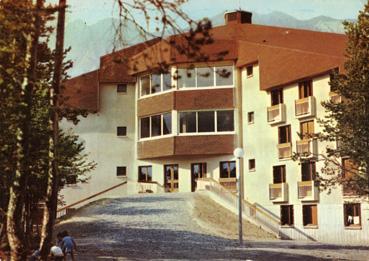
<point x="285" y="55"/>
<point x="82" y="92"/>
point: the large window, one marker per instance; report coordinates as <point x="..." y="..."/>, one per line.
<point x="155" y="83"/>
<point x="205" y="76"/>
<point x="156" y="125"/>
<point x="287" y="215"/>
<point x="206" y="121"/>
<point x="227" y="169"/>
<point x="352" y="214"/>
<point x="144" y="173"/>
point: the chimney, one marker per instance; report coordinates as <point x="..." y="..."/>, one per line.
<point x="238" y="17"/>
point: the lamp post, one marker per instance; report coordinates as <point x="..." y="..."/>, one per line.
<point x="239" y="153"/>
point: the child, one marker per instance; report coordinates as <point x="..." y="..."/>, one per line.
<point x="68" y="245"/>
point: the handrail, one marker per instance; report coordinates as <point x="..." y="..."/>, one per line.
<point x="90" y="197"/>
<point x="249" y="204"/>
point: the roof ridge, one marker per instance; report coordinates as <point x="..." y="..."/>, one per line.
<point x="291" y="49"/>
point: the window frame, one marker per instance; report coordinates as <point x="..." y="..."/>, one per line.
<point x="345" y="215"/>
<point x="311" y="174"/>
<point x="197" y="132"/>
<point x="119" y="91"/>
<point x="249" y="71"/>
<point x="122" y="128"/>
<point x="304" y="222"/>
<point x="150" y="84"/>
<point x="214" y="80"/>
<point x="309" y="126"/>
<point x="305" y="88"/>
<point x="279" y="94"/>
<point x="147" y="180"/>
<point x="251" y="114"/>
<point x="290" y="216"/>
<point x="288" y="133"/>
<point x="281" y="172"/>
<point x="121" y="168"/>
<point x="250" y="163"/>
<point x="229" y="167"/>
<point x="150" y="126"/>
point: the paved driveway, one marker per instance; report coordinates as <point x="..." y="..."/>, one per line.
<point x="163" y="226"/>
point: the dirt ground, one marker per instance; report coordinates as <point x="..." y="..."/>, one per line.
<point x="183" y="226"/>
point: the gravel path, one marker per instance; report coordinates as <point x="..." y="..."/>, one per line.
<point x="181" y="226"/>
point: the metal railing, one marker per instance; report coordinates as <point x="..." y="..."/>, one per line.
<point x="65" y="210"/>
<point x="252" y="212"/>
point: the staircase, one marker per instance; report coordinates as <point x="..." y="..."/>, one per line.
<point x="251" y="212"/>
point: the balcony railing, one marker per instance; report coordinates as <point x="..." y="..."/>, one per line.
<point x="284" y="150"/>
<point x="229" y="183"/>
<point x="278" y="192"/>
<point x="307" y="148"/>
<point x="277" y="114"/>
<point x="305" y="107"/>
<point x="307" y="191"/>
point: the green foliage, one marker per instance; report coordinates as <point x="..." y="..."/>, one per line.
<point x="347" y="122"/>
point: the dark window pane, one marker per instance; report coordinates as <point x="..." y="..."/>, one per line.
<point x="122" y="88"/>
<point x="121" y="171"/>
<point x="252" y="164"/>
<point x="287" y="215"/>
<point x="228" y="169"/>
<point x="279" y="174"/>
<point x="225" y="121"/>
<point x="145" y="127"/>
<point x="250" y="70"/>
<point x="250" y="117"/>
<point x="187" y="122"/>
<point x="145" y="173"/>
<point x="277" y="96"/>
<point x="205" y="77"/>
<point x="206" y="121"/>
<point x="121" y="131"/>
<point x="307" y="171"/>
<point x="155" y="83"/>
<point x="186" y="78"/>
<point x="284" y="134"/>
<point x="167" y="123"/>
<point x="224" y="76"/>
<point x="145" y="85"/>
<point x="155" y="125"/>
<point x="167" y="81"/>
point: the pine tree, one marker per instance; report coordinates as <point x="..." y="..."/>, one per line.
<point x="347" y="121"/>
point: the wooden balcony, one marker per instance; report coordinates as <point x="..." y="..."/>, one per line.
<point x="307" y="191"/>
<point x="276" y="114"/>
<point x="305" y="107"/>
<point x="284" y="150"/>
<point x="307" y="148"/>
<point x="278" y="192"/>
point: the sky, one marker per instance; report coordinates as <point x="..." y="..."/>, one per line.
<point x="91" y="11"/>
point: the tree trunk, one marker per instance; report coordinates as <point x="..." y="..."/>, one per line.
<point x="16" y="207"/>
<point x="51" y="199"/>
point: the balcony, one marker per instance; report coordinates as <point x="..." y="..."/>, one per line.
<point x="284" y="150"/>
<point x="307" y="191"/>
<point x="277" y="114"/>
<point x="278" y="192"/>
<point x="335" y="98"/>
<point x="305" y="107"/>
<point x="307" y="148"/>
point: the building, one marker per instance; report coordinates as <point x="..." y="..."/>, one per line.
<point x="161" y="131"/>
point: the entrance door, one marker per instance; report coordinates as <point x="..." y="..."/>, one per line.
<point x="198" y="171"/>
<point x="171" y="177"/>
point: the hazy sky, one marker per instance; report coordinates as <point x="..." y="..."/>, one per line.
<point x="93" y="10"/>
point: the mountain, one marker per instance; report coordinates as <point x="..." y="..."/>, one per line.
<point x="89" y="42"/>
<point x="319" y="23"/>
